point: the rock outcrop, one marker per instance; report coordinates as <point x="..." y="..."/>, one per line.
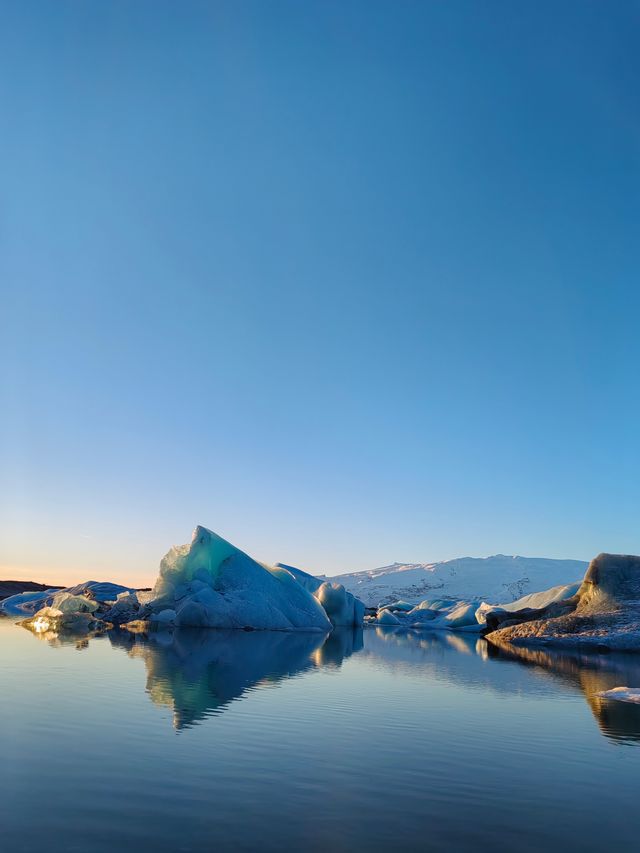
<point x="604" y="613"/>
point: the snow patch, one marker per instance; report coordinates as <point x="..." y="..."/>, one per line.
<point x="498" y="578"/>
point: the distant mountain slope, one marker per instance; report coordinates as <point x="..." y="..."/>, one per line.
<point x="495" y="579"/>
<point x="8" y="588"/>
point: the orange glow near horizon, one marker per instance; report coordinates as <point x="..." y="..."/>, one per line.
<point x="70" y="576"/>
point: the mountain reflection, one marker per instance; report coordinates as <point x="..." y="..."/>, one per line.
<point x="197" y="673"/>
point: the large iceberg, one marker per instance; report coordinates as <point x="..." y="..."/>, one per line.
<point x="212" y="584"/>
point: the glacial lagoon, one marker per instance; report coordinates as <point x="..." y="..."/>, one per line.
<point x="360" y="740"/>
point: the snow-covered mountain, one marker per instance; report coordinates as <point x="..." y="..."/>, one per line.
<point x="497" y="579"/>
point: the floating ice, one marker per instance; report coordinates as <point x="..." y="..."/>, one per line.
<point x="66" y="602"/>
<point x="25" y="603"/>
<point x="74" y="615"/>
<point x="449" y="614"/>
<point x="342" y="608"/>
<point x="534" y="600"/>
<point x="401" y="606"/>
<point x="212" y="584"/>
<point x="207" y="584"/>
<point x="386" y="617"/>
<point x="436" y="615"/>
<point x="622" y="694"/>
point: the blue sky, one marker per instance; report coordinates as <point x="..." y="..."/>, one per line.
<point x="347" y="282"/>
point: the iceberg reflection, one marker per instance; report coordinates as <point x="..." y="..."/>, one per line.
<point x="198" y="673"/>
<point x="461" y="660"/>
<point x="592" y="674"/>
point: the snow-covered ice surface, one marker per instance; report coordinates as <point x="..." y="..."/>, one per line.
<point x="495" y="579"/>
<point x="622" y="694"/>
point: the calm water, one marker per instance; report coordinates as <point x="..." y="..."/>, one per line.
<point x="365" y="741"/>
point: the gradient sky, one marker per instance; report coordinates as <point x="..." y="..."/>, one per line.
<point x="347" y="282"/>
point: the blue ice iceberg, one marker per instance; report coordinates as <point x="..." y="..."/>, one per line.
<point x="212" y="584"/>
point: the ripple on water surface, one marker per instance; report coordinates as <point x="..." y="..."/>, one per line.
<point x="262" y="741"/>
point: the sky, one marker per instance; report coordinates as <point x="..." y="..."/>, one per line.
<point x="347" y="282"/>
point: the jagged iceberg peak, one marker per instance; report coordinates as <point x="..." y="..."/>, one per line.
<point x="200" y="560"/>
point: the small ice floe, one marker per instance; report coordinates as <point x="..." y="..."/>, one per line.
<point x="622" y="694"/>
<point x="432" y="615"/>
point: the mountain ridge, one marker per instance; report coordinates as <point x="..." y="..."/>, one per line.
<point x="500" y="578"/>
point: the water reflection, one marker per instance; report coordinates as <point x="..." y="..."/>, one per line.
<point x="197" y="673"/>
<point x="592" y="674"/>
<point x="57" y="639"/>
<point x="461" y="660"/>
<point x="427" y="640"/>
<point x="340" y="644"/>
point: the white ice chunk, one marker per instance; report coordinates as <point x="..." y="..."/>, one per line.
<point x="535" y="601"/>
<point x="26" y="602"/>
<point x="342" y="608"/>
<point x="68" y="603"/>
<point x="29" y="602"/>
<point x="386" y="617"/>
<point x="398" y="606"/>
<point x="622" y="694"/>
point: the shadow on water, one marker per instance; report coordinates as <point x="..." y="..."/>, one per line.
<point x="197" y="673"/>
